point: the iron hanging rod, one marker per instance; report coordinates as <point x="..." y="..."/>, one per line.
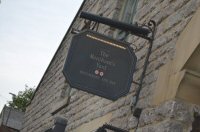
<point x="133" y="29"/>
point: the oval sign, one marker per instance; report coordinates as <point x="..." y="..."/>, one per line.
<point x="100" y="65"/>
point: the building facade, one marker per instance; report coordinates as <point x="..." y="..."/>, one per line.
<point x="170" y="96"/>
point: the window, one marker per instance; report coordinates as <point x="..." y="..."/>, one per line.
<point x="128" y="11"/>
<point x="127" y="14"/>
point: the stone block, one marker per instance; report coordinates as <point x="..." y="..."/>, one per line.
<point x="165" y="126"/>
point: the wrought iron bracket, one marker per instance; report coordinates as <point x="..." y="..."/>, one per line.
<point x="134" y="29"/>
<point x="152" y="27"/>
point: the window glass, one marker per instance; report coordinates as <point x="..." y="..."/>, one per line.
<point x="126" y="15"/>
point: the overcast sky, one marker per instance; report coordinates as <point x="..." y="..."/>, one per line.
<point x="30" y="33"/>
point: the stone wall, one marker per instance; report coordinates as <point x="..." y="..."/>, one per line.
<point x="175" y="115"/>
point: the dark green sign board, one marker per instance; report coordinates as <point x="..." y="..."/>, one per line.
<point x="100" y="65"/>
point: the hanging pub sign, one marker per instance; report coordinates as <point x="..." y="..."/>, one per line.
<point x="100" y="65"/>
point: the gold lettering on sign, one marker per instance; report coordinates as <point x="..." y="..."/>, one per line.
<point x="102" y="60"/>
<point x="106" y="42"/>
